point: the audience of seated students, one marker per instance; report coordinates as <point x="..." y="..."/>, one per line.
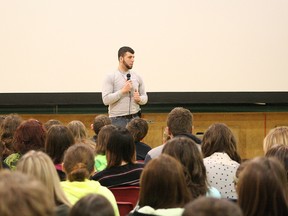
<point x="30" y="135"/>
<point x="59" y="139"/>
<point x="78" y="165"/>
<point x="187" y="153"/>
<point x="52" y="122"/>
<point x="277" y="135"/>
<point x="121" y="170"/>
<point x="280" y="152"/>
<point x="80" y="133"/>
<point x="23" y="195"/>
<point x="139" y="128"/>
<point x="208" y="206"/>
<point x="163" y="189"/>
<point x="101" y="146"/>
<point x="263" y="188"/>
<point x="92" y="205"/>
<point x="221" y="158"/>
<point x="179" y="123"/>
<point x="99" y="122"/>
<point x="8" y="127"/>
<point x="39" y="165"/>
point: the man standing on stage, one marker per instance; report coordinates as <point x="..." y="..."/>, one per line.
<point x="124" y="90"/>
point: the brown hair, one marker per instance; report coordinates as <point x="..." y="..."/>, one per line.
<point x="162" y="184"/>
<point x="262" y="188"/>
<point x="103" y="137"/>
<point x="99" y="122"/>
<point x="92" y="204"/>
<point x="59" y="139"/>
<point x="1" y="154"/>
<point x="30" y="135"/>
<point x="138" y="128"/>
<point x="219" y="138"/>
<point x="206" y="206"/>
<point x="187" y="153"/>
<point x="52" y="122"/>
<point x="120" y="147"/>
<point x="179" y="121"/>
<point x="281" y="153"/>
<point x="22" y="194"/>
<point x="8" y="127"/>
<point x="78" y="162"/>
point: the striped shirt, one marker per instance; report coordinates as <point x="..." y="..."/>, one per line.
<point x="126" y="175"/>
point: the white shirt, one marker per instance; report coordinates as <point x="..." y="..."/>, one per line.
<point x="221" y="170"/>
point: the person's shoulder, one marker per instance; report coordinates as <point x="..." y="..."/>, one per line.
<point x="143" y="146"/>
<point x="156" y="149"/>
<point x="98" y="175"/>
<point x="154" y="152"/>
<point x="137" y="165"/>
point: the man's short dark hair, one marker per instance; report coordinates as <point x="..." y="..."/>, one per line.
<point x="123" y="50"/>
<point x="180" y="121"/>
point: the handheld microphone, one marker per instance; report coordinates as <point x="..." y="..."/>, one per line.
<point x="128" y="76"/>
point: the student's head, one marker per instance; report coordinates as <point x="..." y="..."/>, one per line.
<point x="179" y="121"/>
<point x="99" y="122"/>
<point x="78" y="130"/>
<point x="92" y="205"/>
<point x="7" y="129"/>
<point x="59" y="139"/>
<point x="281" y="153"/>
<point x="138" y="128"/>
<point x="187" y="153"/>
<point x="30" y="135"/>
<point x="21" y="194"/>
<point x="39" y="165"/>
<point x="51" y="123"/>
<point x="219" y="138"/>
<point x="103" y="138"/>
<point x="162" y="184"/>
<point x="123" y="50"/>
<point x="120" y="147"/>
<point x="9" y="125"/>
<point x="278" y="135"/>
<point x="78" y="162"/>
<point x="207" y="206"/>
<point x="262" y="188"/>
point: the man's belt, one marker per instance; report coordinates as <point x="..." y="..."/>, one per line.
<point x="131" y="116"/>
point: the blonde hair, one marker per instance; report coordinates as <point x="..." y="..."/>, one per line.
<point x="277" y="135"/>
<point x="40" y="165"/>
<point x="24" y="195"/>
<point x="80" y="133"/>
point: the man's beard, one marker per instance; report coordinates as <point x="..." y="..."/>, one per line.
<point x="127" y="66"/>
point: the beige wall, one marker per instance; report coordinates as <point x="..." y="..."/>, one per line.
<point x="207" y="45"/>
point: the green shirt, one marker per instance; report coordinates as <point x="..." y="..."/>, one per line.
<point x="12" y="160"/>
<point x="100" y="162"/>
